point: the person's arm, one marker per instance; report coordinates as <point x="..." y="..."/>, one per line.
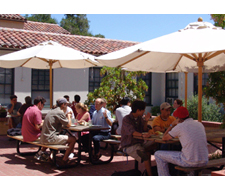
<point x="84" y="117"/>
<point x="107" y="118"/>
<point x="10" y="110"/>
<point x="166" y="135"/>
<point x="38" y="126"/>
<point x="68" y="115"/>
<point x="158" y="128"/>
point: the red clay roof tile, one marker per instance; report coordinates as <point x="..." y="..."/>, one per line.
<point x="16" y="17"/>
<point x="44" y="27"/>
<point x="19" y="38"/>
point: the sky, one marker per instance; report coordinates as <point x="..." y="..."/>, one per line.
<point x="138" y="27"/>
<point x="129" y="20"/>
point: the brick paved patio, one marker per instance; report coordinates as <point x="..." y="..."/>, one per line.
<point x="12" y="164"/>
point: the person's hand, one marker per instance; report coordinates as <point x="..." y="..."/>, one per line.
<point x="12" y="102"/>
<point x="147" y="117"/>
<point x="105" y="114"/>
<point x="146" y="135"/>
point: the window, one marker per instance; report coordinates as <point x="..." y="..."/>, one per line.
<point x="94" y="78"/>
<point x="171" y="87"/>
<point x="205" y="77"/>
<point x="148" y="80"/>
<point x="6" y="85"/>
<point x="40" y="84"/>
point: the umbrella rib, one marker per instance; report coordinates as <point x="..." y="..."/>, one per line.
<point x="188" y="56"/>
<point x="134" y="58"/>
<point x="177" y="63"/>
<point x="90" y="62"/>
<point x="214" y="54"/>
<point x="25" y="62"/>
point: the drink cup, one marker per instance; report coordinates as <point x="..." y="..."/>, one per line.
<point x="90" y="123"/>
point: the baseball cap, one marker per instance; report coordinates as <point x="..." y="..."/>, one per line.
<point x="62" y="100"/>
<point x="181" y="112"/>
<point x="165" y="105"/>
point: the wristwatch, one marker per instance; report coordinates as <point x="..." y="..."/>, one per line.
<point x="171" y="125"/>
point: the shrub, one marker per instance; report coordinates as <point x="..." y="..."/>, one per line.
<point x="155" y="110"/>
<point x="210" y="111"/>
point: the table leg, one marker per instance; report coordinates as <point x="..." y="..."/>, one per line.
<point x="223" y="147"/>
<point x="79" y="147"/>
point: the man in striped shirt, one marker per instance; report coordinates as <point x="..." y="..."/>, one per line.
<point x="192" y="137"/>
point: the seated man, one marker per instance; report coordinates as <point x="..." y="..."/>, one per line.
<point x="194" y="147"/>
<point x="32" y="123"/>
<point x="163" y="121"/>
<point x="101" y="116"/>
<point x="23" y="108"/>
<point x="52" y="126"/>
<point x="134" y="125"/>
<point x="13" y="107"/>
<point x="122" y="111"/>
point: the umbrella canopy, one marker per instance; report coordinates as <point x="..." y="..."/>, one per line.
<point x="48" y="55"/>
<point x="196" y="48"/>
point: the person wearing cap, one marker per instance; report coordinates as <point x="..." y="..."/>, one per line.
<point x="192" y="137"/>
<point x="163" y="121"/>
<point x="50" y="134"/>
<point x="32" y="124"/>
<point x="122" y="111"/>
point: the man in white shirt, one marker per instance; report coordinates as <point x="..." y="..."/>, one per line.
<point x="122" y="111"/>
<point x="192" y="137"/>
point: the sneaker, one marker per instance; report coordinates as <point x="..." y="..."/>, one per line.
<point x="37" y="156"/>
<point x="71" y="156"/>
<point x="44" y="157"/>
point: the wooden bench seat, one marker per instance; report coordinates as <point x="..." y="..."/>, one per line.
<point x="53" y="147"/>
<point x="212" y="163"/>
<point x="116" y="136"/>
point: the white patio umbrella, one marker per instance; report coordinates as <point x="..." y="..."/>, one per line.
<point x="199" y="47"/>
<point x="48" y="55"/>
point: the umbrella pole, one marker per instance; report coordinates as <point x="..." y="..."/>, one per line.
<point x="200" y="65"/>
<point x="50" y="84"/>
<point x="186" y="74"/>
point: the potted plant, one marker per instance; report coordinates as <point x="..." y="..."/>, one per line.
<point x="3" y="112"/>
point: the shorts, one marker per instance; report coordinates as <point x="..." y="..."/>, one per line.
<point x="147" y="146"/>
<point x="59" y="139"/>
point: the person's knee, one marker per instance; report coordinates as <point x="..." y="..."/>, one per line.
<point x="71" y="139"/>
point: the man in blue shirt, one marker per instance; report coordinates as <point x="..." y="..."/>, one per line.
<point x="101" y="116"/>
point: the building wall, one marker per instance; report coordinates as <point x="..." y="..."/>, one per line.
<point x="70" y="82"/>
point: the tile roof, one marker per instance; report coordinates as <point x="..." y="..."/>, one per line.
<point x="16" y="17"/>
<point x="44" y="27"/>
<point x="19" y="38"/>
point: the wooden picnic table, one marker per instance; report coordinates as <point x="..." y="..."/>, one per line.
<point x="211" y="134"/>
<point x="79" y="129"/>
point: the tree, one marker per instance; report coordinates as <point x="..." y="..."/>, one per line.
<point x="45" y="18"/>
<point x="77" y="24"/>
<point x="117" y="84"/>
<point x="216" y="82"/>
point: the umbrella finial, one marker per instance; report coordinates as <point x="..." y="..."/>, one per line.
<point x="200" y="19"/>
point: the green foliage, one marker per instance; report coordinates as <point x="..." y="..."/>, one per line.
<point x="155" y="110"/>
<point x="219" y="19"/>
<point x="77" y="24"/>
<point x="45" y="18"/>
<point x="117" y="84"/>
<point x="210" y="111"/>
<point x="2" y="109"/>
<point x="216" y="87"/>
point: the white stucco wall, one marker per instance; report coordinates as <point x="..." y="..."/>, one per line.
<point x="70" y="82"/>
<point x="22" y="83"/>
